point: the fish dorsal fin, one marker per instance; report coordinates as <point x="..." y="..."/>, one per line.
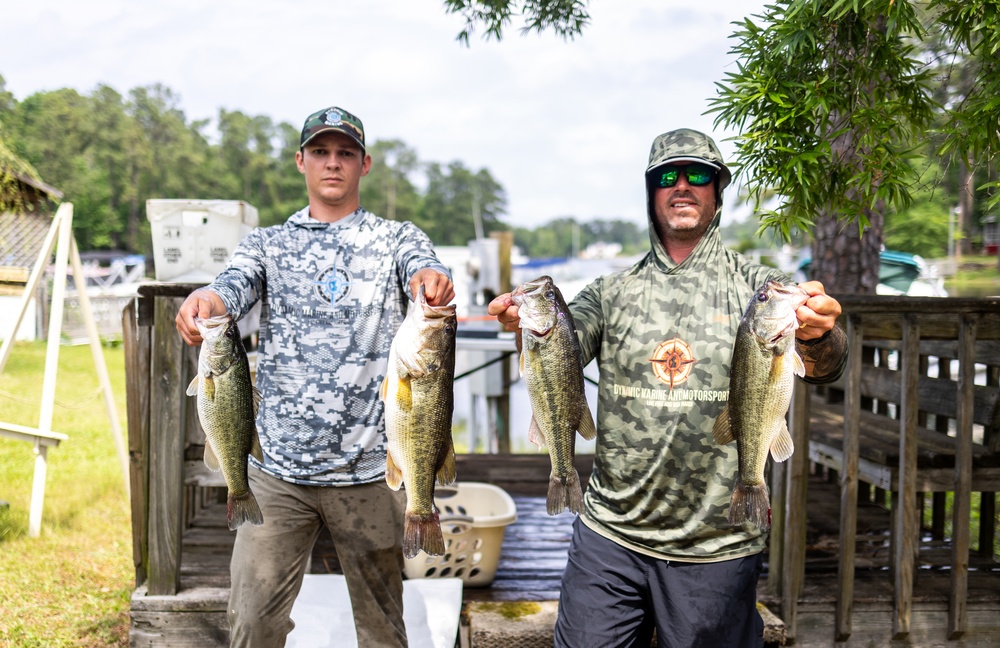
<point x="782" y="446"/>
<point x="587" y="429"/>
<point x="721" y="431"/>
<point x="211" y="460"/>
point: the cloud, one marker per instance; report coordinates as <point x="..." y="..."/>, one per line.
<point x="564" y="126"/>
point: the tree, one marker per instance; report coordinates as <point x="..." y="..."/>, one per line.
<point x="567" y="18"/>
<point x="828" y="102"/>
<point x="460" y="205"/>
<point x="387" y="190"/>
<point x="833" y="97"/>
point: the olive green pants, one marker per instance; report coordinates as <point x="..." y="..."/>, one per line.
<point x="269" y="561"/>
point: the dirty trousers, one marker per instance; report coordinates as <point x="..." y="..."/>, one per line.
<point x="269" y="561"/>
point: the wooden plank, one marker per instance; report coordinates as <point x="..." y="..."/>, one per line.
<point x="937" y="395"/>
<point x="136" y="341"/>
<point x="849" y="481"/>
<point x="907" y="523"/>
<point x="957" y="619"/>
<point x="937" y="315"/>
<point x="797" y="478"/>
<point x="166" y="451"/>
<point x="46" y="438"/>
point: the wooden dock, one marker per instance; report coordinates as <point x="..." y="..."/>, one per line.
<point x="838" y="570"/>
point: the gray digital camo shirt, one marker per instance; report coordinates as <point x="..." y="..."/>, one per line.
<point x="333" y="295"/>
<point x="662" y="334"/>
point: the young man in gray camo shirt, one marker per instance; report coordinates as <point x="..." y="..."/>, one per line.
<point x="333" y="281"/>
<point x="653" y="548"/>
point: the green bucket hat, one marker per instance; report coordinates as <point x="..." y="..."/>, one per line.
<point x="333" y="119"/>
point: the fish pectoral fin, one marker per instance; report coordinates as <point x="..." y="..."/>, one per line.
<point x="393" y="475"/>
<point x="782" y="446"/>
<point x="211" y="460"/>
<point x="192" y="388"/>
<point x="520" y="364"/>
<point x="800" y="366"/>
<point x="587" y="428"/>
<point x="383" y="389"/>
<point x="721" y="431"/>
<point x="535" y="434"/>
<point x="404" y="395"/>
<point x="209" y="391"/>
<point x="255" y="450"/>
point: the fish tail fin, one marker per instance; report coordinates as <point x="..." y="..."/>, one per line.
<point x="243" y="508"/>
<point x="564" y="493"/>
<point x="750" y="503"/>
<point x="422" y="532"/>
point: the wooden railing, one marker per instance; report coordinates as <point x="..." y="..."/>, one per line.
<point x="904" y="420"/>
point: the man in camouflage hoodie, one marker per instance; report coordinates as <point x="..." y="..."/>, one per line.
<point x="654" y="547"/>
<point x="334" y="281"/>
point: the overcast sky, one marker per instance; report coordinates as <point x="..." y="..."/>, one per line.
<point x="564" y="126"/>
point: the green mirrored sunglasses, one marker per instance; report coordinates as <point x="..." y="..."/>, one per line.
<point x="698" y="175"/>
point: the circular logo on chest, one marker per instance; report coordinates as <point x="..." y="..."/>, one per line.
<point x="672" y="362"/>
<point x="333" y="284"/>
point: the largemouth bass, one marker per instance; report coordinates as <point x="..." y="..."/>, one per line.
<point x="227" y="409"/>
<point x="762" y="374"/>
<point x="551" y="364"/>
<point x="419" y="397"/>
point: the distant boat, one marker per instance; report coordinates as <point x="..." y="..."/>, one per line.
<point x="900" y="273"/>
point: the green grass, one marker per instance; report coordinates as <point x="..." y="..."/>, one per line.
<point x="70" y="586"/>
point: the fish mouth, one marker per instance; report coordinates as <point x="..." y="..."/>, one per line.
<point x="213" y="327"/>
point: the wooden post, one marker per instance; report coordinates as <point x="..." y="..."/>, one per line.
<point x="136" y="339"/>
<point x="168" y="404"/>
<point x="792" y="545"/>
<point x="506" y="240"/>
<point x="957" y="611"/>
<point x="849" y="481"/>
<point x="907" y="527"/>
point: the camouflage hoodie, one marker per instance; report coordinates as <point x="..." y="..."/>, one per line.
<point x="333" y="295"/>
<point x="662" y="334"/>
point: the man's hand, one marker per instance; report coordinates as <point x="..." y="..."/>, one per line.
<point x="819" y="314"/>
<point x="438" y="289"/>
<point x="202" y="303"/>
<point x="505" y="310"/>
